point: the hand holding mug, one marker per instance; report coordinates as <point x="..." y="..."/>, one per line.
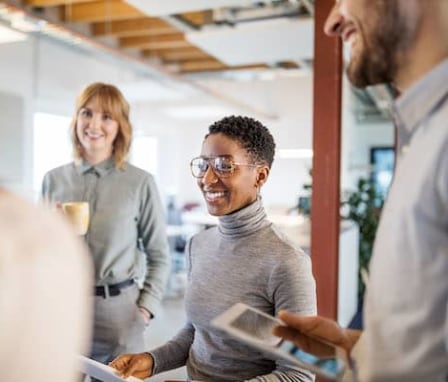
<point x="78" y="215"/>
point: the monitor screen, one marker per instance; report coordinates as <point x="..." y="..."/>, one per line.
<point x="382" y="160"/>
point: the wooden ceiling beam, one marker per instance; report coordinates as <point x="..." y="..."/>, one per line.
<point x="124" y="28"/>
<point x="201" y="66"/>
<point x="289" y="65"/>
<point x="109" y="10"/>
<point x="175" y="55"/>
<point x="53" y="3"/>
<point x="155" y="42"/>
<point x="198" y="18"/>
<point x="213" y="65"/>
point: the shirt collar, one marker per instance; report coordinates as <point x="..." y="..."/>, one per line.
<point x="100" y="169"/>
<point x="419" y="100"/>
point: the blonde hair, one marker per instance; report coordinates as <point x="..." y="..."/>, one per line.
<point x="112" y="101"/>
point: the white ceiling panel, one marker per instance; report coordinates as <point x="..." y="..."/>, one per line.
<point x="171" y="7"/>
<point x="154" y="91"/>
<point x="256" y="42"/>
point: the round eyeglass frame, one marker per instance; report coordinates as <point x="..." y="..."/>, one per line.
<point x="215" y="171"/>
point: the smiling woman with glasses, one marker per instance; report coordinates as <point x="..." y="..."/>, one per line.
<point x="244" y="259"/>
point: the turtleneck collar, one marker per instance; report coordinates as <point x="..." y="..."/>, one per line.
<point x="245" y="221"/>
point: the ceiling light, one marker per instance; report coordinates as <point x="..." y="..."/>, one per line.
<point x="8" y="35"/>
<point x="18" y="18"/>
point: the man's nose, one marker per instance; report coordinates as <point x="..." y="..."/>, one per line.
<point x="335" y="20"/>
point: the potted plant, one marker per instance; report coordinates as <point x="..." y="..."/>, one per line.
<point x="363" y="206"/>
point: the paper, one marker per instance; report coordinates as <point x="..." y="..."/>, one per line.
<point x="102" y="372"/>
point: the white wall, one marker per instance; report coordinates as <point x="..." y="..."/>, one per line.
<point x="12" y="127"/>
<point x="17" y="86"/>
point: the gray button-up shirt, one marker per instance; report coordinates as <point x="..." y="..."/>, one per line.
<point x="126" y="221"/>
<point x="406" y="316"/>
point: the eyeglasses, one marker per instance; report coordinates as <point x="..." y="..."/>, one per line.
<point x="222" y="166"/>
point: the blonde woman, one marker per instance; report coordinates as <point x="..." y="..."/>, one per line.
<point x="127" y="230"/>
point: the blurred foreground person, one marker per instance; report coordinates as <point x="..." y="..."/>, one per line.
<point x="405" y="338"/>
<point x="44" y="294"/>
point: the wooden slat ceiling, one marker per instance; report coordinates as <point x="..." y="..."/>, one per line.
<point x="150" y="38"/>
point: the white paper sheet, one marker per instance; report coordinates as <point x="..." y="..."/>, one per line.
<point x="102" y="372"/>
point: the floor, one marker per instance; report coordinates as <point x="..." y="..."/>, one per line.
<point x="162" y="328"/>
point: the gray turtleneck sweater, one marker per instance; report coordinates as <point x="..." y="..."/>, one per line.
<point x="244" y="259"/>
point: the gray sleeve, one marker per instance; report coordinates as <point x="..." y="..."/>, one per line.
<point x="175" y="352"/>
<point x="152" y="232"/>
<point x="45" y="189"/>
<point x="293" y="288"/>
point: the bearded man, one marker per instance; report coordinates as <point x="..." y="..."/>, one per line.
<point x="405" y="337"/>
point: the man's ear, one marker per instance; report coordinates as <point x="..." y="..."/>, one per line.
<point x="262" y="176"/>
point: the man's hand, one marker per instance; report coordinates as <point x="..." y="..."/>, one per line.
<point x="138" y="365"/>
<point x="299" y="329"/>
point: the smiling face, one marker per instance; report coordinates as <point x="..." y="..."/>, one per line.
<point x="378" y="33"/>
<point x="96" y="131"/>
<point x="226" y="195"/>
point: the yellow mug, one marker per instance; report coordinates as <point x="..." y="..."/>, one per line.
<point x="78" y="214"/>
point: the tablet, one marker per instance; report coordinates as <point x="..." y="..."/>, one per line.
<point x="102" y="372"/>
<point x="254" y="328"/>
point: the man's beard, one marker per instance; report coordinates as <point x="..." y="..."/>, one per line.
<point x="378" y="59"/>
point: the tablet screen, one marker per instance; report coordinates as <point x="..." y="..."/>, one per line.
<point x="258" y="326"/>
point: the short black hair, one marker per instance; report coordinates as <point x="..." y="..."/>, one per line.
<point x="251" y="134"/>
